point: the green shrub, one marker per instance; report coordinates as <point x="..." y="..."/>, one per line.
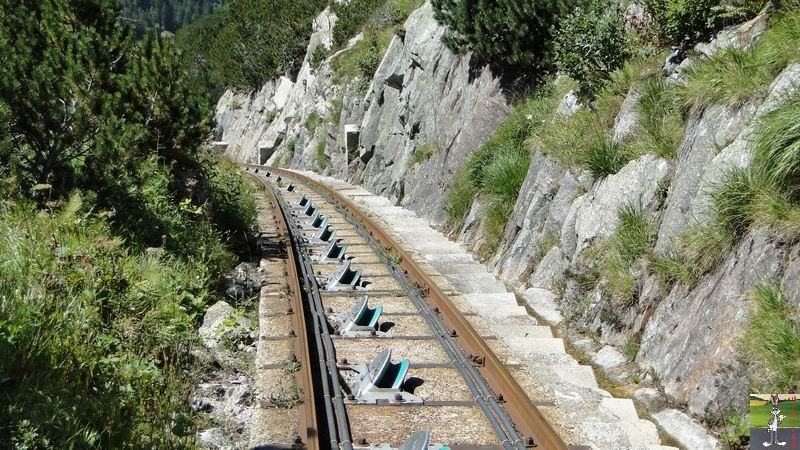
<point x="364" y="58"/>
<point x="660" y="127"/>
<point x="245" y="43"/>
<point x="771" y="342"/>
<point x="511" y="37"/>
<point x="95" y="340"/>
<point x="231" y="199"/>
<point x="617" y="255"/>
<point x="319" y="55"/>
<point x="589" y="45"/>
<point x="351" y="17"/>
<point x="312" y="122"/>
<point x="508" y="141"/>
<point x="675" y="20"/>
<point x="422" y="154"/>
<point x="369" y="61"/>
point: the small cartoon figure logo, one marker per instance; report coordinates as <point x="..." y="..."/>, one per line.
<point x="768" y="426"/>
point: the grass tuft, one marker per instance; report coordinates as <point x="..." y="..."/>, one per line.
<point x="322" y="144"/>
<point x="336" y="111"/>
<point x="771" y="342"/>
<point x="660" y="128"/>
<point x="503" y="177"/>
<point x="734" y="76"/>
<point x="312" y="122"/>
<point x="619" y="253"/>
<point x="498" y="169"/>
<point x="422" y="154"/>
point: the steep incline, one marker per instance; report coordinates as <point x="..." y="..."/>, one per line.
<point x="675" y="339"/>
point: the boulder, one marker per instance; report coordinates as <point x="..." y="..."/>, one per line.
<point x="568" y="106"/>
<point x="651" y="399"/>
<point x="635" y="185"/>
<point x="741" y="36"/>
<point x="687" y="431"/>
<point x="627" y="119"/>
<point x="543" y="303"/>
<point x="550" y="270"/>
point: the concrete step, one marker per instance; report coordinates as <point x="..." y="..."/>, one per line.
<point x="604" y="421"/>
<point x="479" y="287"/>
<point x="499" y="298"/>
<point x="444" y="258"/>
<point x="460" y="269"/>
<point x="532" y="345"/>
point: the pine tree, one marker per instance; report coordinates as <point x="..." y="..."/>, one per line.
<point x="88" y="102"/>
<point x="512" y="36"/>
<point x="59" y="63"/>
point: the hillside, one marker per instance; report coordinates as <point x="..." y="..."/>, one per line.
<point x="648" y="209"/>
<point x="167" y="15"/>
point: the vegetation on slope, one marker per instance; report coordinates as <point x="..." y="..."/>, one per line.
<point x="771" y="343"/>
<point x="115" y="229"/>
<point x="379" y="21"/>
<point x="246" y="43"/>
<point x="168" y="15"/>
<point x="513" y="38"/>
<point x="498" y="169"/>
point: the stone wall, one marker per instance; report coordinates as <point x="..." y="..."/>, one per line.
<point x="423" y="95"/>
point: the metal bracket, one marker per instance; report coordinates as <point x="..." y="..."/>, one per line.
<point x="326" y="234"/>
<point x="382" y="381"/>
<point x="360" y="321"/>
<point x="419" y="440"/>
<point x="308" y="210"/>
<point x="301" y="204"/>
<point x="344" y="279"/>
<point x="333" y="254"/>
<point x="317" y="221"/>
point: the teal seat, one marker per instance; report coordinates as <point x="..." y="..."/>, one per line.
<point x="364" y="316"/>
<point x="417" y="441"/>
<point x="335" y="252"/>
<point x="303" y="201"/>
<point x="326" y="234"/>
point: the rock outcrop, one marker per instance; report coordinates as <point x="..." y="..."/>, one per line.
<point x="422" y="95"/>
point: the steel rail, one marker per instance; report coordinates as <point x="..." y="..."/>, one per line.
<point x="309" y="429"/>
<point x="485" y="400"/>
<point x="527" y="419"/>
<point x="321" y="328"/>
<point x="498" y="420"/>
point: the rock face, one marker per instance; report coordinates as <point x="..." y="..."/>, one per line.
<point x="423" y="95"/>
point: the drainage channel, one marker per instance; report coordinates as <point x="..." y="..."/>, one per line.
<point x="314" y="217"/>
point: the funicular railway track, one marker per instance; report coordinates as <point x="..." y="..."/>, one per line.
<point x="387" y="353"/>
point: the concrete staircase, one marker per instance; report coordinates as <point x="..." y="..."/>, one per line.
<point x="566" y="391"/>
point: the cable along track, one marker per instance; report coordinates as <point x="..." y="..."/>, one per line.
<point x="393" y="355"/>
